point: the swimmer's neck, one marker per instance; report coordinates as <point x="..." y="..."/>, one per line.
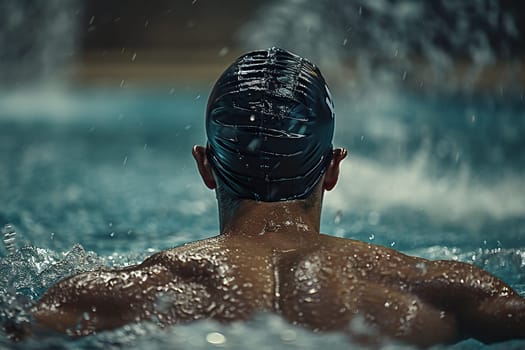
<point x="260" y="218"/>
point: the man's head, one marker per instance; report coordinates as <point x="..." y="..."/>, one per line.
<point x="270" y="124"/>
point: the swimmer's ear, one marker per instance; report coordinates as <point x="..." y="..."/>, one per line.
<point x="332" y="173"/>
<point x="204" y="166"/>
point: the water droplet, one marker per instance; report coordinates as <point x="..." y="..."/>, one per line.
<point x="252" y="117"/>
<point x="473" y="118"/>
<point x="125" y="161"/>
<point x="371" y="237"/>
<point x="122" y="83"/>
<point x="134" y="57"/>
<point x="404" y="75"/>
<point x="288" y="335"/>
<point x="215" y="338"/>
<point x="338" y="217"/>
<point x="345" y="41"/>
<point x="9" y="234"/>
<point x="224" y="51"/>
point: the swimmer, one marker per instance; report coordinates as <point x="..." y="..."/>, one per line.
<point x="269" y="158"/>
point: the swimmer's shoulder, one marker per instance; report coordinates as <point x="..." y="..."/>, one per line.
<point x="185" y="251"/>
<point x="352" y="247"/>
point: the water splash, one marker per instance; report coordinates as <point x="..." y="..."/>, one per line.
<point x="454" y="198"/>
<point x="27" y="272"/>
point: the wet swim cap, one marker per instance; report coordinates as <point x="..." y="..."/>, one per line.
<point x="270" y="124"/>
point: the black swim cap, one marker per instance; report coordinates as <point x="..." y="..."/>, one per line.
<point x="270" y="124"/>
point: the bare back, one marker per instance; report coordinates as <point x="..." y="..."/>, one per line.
<point x="317" y="281"/>
<point x="323" y="284"/>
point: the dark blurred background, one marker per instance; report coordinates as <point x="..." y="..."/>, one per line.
<point x="195" y="39"/>
<point x="142" y="41"/>
<point x="188" y="39"/>
<point x="211" y="25"/>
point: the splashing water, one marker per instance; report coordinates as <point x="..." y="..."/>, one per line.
<point x="28" y="272"/>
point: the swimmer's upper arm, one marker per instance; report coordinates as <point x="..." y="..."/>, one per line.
<point x="486" y="308"/>
<point x="101" y="299"/>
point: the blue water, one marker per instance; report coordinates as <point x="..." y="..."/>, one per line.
<point x="93" y="178"/>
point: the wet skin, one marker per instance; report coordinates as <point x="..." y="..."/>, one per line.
<point x="321" y="282"/>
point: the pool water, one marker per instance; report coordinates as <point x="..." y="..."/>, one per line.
<point x="94" y="178"/>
